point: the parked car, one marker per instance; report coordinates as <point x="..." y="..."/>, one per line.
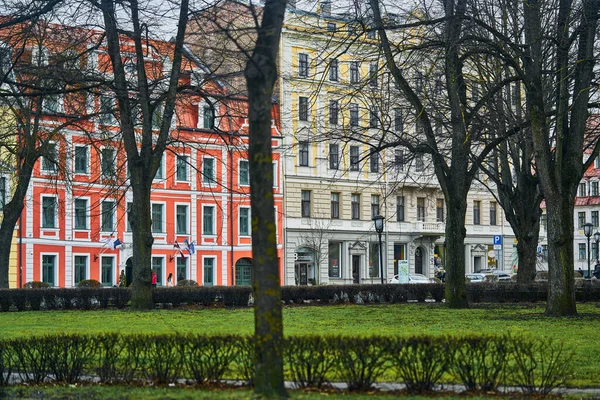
<point x="480" y="277"/>
<point x="413" y="278"/>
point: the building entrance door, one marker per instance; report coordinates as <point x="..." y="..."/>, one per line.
<point x="302" y="273"/>
<point x="355" y="269"/>
<point x="418" y="261"/>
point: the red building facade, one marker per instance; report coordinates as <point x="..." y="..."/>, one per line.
<point x="75" y="223"/>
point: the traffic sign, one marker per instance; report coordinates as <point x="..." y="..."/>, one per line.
<point x="498" y="240"/>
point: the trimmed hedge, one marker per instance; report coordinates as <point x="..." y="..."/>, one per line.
<point x="241" y="296"/>
<point x="480" y="363"/>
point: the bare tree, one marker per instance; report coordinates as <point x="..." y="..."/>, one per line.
<point x="155" y="93"/>
<point x="261" y="74"/>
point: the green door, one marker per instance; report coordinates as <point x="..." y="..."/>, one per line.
<point x="243" y="272"/>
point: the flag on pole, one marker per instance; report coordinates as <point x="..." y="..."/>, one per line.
<point x="178" y="248"/>
<point x="189" y="246"/>
<point x="116" y="243"/>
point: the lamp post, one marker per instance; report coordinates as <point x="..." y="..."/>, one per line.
<point x="597" y="239"/>
<point x="378" y="220"/>
<point x="587" y="231"/>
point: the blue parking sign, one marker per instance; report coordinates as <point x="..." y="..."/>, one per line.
<point x="498" y="239"/>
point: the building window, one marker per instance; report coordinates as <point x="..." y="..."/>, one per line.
<point x="374" y="205"/>
<point x="582" y="251"/>
<point x="335" y="205"/>
<point x="50" y="159"/>
<point x="595" y="188"/>
<point x="108" y="216"/>
<point x="182" y="269"/>
<point x="81" y="160"/>
<point x="374" y="260"/>
<point x="580" y="219"/>
<point x="582" y="191"/>
<point x="2" y="192"/>
<point x="353" y="114"/>
<point x="331" y="27"/>
<point x="244" y="172"/>
<point x="208" y="220"/>
<point x="597" y="162"/>
<point x="48" y="268"/>
<point x="208" y="170"/>
<point x="399" y="208"/>
<point x="334" y="156"/>
<point x="49" y="212"/>
<point x="374" y="162"/>
<point x="303" y="65"/>
<point x="477" y="212"/>
<point x="182" y="168"/>
<point x="303" y="108"/>
<point x="419" y="81"/>
<point x="80" y="266"/>
<point x="157" y="218"/>
<point x="354" y="158"/>
<point x="333" y="70"/>
<point x="399" y="160"/>
<point x="333" y="112"/>
<point x="372" y="34"/>
<point x="437" y="87"/>
<point x="305" y="200"/>
<point x="595" y="219"/>
<point x="335" y="253"/>
<point x="303" y="154"/>
<point x="129" y="216"/>
<point x="244" y="221"/>
<point x="493" y="212"/>
<point x="108" y="163"/>
<point x="421" y="209"/>
<point x="355" y="206"/>
<point x="209" y="270"/>
<point x="208" y="117"/>
<point x="159" y="171"/>
<point x="354" y="75"/>
<point x="157" y="268"/>
<point x="439" y="210"/>
<point x="373" y="71"/>
<point x="398" y="120"/>
<point x="107" y="116"/>
<point x="419" y="163"/>
<point x="107" y="271"/>
<point x="51" y="104"/>
<point x="181" y="217"/>
<point x="373" y="117"/>
<point x="81" y="206"/>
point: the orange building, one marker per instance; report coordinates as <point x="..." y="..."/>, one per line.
<point x="75" y="223"/>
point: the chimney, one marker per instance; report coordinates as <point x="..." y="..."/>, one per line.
<point x="326" y="8"/>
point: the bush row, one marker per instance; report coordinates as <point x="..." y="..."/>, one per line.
<point x="92" y="297"/>
<point x="479" y="363"/>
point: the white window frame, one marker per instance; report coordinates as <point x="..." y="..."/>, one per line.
<point x="87" y="159"/>
<point x="185" y="157"/>
<point x="162" y="216"/>
<point x="214" y="270"/>
<point x="240" y="161"/>
<point x="248" y="223"/>
<point x="206" y="180"/>
<point x="55" y="269"/>
<point x="113" y="266"/>
<point x="43" y="160"/>
<point x="187" y="219"/>
<point x="87" y="267"/>
<point x="213" y="222"/>
<point x="55" y="217"/>
<point x="114" y="215"/>
<point x="87" y="214"/>
<point x="161" y="168"/>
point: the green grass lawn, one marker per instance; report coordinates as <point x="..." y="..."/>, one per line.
<point x="579" y="334"/>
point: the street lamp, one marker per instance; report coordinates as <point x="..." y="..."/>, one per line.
<point x="378" y="220"/>
<point x="587" y="231"/>
<point x="597" y="239"/>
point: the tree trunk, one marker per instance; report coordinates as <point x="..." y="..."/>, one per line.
<point x="456" y="288"/>
<point x="261" y="73"/>
<point x="527" y="241"/>
<point x="142" y="240"/>
<point x="7" y="229"/>
<point x="561" y="274"/>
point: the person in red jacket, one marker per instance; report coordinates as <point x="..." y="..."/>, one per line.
<point x="153" y="279"/>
